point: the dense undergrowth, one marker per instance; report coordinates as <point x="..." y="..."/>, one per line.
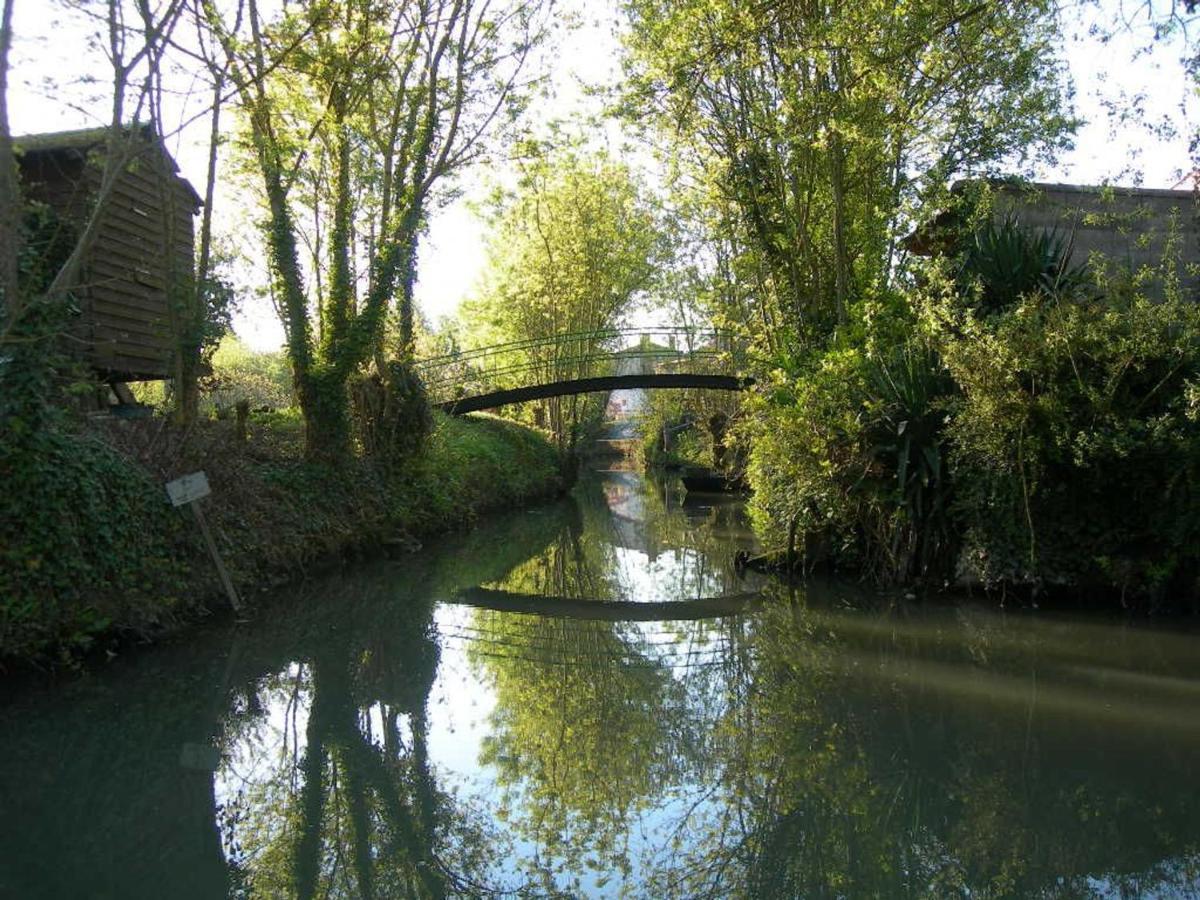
<point x="1008" y="420"/>
<point x="91" y="551"/>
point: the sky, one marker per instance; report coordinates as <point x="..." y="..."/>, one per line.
<point x="52" y="56"/>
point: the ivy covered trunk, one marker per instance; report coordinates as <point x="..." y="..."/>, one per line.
<point x="324" y="404"/>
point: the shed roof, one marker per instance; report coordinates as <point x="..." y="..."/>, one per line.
<point x="930" y="236"/>
<point x="82" y="140"/>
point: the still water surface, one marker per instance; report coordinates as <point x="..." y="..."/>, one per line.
<point x="521" y="713"/>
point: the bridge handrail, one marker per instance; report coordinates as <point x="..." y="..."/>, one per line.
<point x="601" y="335"/>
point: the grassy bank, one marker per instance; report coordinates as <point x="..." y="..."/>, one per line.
<point x="92" y="553"/>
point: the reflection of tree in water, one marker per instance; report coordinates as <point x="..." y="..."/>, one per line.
<point x="587" y="731"/>
<point x="801" y="750"/>
<point x="357" y="814"/>
<point x="846" y="771"/>
<point x="596" y="722"/>
<point x="577" y="562"/>
<point x="624" y="529"/>
<point x="349" y="806"/>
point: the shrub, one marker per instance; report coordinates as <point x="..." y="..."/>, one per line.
<point x="1007" y="262"/>
<point x="392" y="413"/>
<point x="239" y="373"/>
<point x="87" y="541"/>
<point x="850" y="446"/>
<point x="1076" y="446"/>
<point x="1020" y="423"/>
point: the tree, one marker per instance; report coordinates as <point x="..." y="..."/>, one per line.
<point x="812" y="123"/>
<point x="571" y="250"/>
<point x="355" y="111"/>
<point x="10" y="190"/>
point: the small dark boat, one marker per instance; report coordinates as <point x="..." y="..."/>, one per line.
<point x="708" y="481"/>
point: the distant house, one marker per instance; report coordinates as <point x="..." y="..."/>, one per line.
<point x="1122" y="227"/>
<point x="129" y="286"/>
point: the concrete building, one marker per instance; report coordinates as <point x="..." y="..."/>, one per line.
<point x="1125" y="231"/>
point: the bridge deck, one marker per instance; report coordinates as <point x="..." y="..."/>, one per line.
<point x="671" y="380"/>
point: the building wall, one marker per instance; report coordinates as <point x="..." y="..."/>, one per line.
<point x="1119" y="229"/>
<point x="139" y="272"/>
<point x="139" y="268"/>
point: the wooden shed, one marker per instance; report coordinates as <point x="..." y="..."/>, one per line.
<point x="138" y="272"/>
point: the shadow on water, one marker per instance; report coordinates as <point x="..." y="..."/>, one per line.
<point x="586" y="699"/>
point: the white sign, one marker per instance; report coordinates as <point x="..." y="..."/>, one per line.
<point x="188" y="488"/>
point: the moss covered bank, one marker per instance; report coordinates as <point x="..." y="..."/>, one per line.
<point x="91" y="552"/>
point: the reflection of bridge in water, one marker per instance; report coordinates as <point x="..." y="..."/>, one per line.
<point x="608" y="610"/>
<point x="582" y="362"/>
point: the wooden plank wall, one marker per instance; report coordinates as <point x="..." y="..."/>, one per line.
<point x="58" y="181"/>
<point x="142" y="253"/>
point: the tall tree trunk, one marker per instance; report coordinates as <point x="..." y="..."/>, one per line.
<point x="10" y="194"/>
<point x="406" y="343"/>
<point x="187" y="389"/>
<point x="325" y="407"/>
<point x="337" y="309"/>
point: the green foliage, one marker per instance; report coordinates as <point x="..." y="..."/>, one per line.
<point x="239" y="373"/>
<point x="33" y="366"/>
<point x="1010" y="262"/>
<point x="811" y="130"/>
<point x="392" y="413"/>
<point x="88" y="543"/>
<point x="472" y="464"/>
<point x="851" y="447"/>
<point x="368" y="105"/>
<point x="1017" y="430"/>
<point x="686" y="418"/>
<point x="570" y="253"/>
<point x="47" y="242"/>
<point x="904" y="428"/>
<point x="216" y="301"/>
<point x="1077" y="448"/>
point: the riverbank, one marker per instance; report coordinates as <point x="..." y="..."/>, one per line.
<point x="92" y="554"/>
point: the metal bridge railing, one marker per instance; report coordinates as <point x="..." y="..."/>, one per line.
<point x="575" y="355"/>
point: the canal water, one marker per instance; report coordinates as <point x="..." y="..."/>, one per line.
<point x="586" y="700"/>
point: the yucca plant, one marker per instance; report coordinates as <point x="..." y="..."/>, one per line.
<point x="1011" y="261"/>
<point x="905" y="437"/>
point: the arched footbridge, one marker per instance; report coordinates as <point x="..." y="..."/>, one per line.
<point x="464" y="381"/>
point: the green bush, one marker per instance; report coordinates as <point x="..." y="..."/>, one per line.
<point x="471" y="464"/>
<point x="239" y="373"/>
<point x="89" y="545"/>
<point x="392" y="414"/>
<point x="1005" y="262"/>
<point x="1018" y="423"/>
<point x="850" y="445"/>
<point x="1076" y="440"/>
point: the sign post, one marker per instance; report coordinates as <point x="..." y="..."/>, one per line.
<point x="187" y="491"/>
